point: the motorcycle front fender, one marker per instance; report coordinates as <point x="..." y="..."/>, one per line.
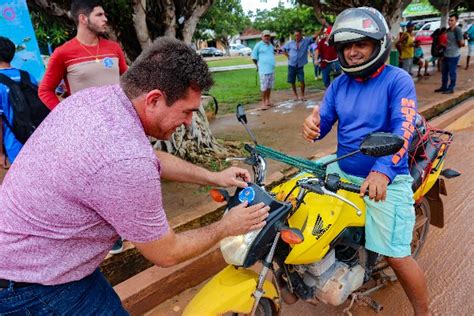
<point x="229" y="291"/>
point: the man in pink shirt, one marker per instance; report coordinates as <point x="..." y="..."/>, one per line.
<point x="89" y="175"/>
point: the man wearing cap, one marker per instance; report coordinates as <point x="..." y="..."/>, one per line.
<point x="264" y="58"/>
<point x="407" y="47"/>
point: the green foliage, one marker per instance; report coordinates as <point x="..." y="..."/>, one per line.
<point x="225" y="18"/>
<point x="50" y="29"/>
<point x="284" y="21"/>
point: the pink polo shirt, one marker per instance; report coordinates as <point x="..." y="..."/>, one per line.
<point x="86" y="176"/>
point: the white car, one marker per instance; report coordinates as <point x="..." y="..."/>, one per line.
<point x="239" y="50"/>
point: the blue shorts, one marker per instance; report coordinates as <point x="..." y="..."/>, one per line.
<point x="388" y="224"/>
<point x="294" y="72"/>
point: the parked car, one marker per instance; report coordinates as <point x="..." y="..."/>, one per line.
<point x="239" y="50"/>
<point x="424" y="33"/>
<point x="210" y="52"/>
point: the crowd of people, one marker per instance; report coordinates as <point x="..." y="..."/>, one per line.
<point x="88" y="176"/>
<point x="445" y="52"/>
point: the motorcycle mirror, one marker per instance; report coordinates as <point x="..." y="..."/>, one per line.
<point x="381" y="144"/>
<point x="240" y="113"/>
<point x="242" y="118"/>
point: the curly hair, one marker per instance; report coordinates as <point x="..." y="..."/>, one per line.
<point x="7" y="49"/>
<point x="170" y="66"/>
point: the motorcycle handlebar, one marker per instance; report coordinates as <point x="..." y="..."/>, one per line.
<point x="351" y="187"/>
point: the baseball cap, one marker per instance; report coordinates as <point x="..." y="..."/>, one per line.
<point x="265" y="32"/>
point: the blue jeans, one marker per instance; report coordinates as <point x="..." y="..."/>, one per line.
<point x="92" y="295"/>
<point x="334" y="68"/>
<point x="449" y="67"/>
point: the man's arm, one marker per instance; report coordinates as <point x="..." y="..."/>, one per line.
<point x="3" y="155"/>
<point x="174" y="248"/>
<point x="55" y="72"/>
<point x="122" y="61"/>
<point x="459" y="37"/>
<point x="175" y="169"/>
<point x="403" y="110"/>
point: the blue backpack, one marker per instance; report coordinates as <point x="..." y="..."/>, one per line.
<point x="28" y="110"/>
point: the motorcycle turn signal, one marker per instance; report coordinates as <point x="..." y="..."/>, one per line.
<point x="219" y="195"/>
<point x="291" y="236"/>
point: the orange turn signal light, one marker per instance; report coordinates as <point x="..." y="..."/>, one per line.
<point x="217" y="195"/>
<point x="292" y="236"/>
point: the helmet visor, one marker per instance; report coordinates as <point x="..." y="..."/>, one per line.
<point x="354" y="24"/>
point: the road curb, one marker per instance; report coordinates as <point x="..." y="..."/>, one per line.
<point x="154" y="285"/>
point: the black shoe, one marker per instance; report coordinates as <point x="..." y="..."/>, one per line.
<point x="440" y="90"/>
<point x="449" y="91"/>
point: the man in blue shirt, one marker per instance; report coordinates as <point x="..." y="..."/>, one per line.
<point x="297" y="53"/>
<point x="264" y="58"/>
<point x="10" y="145"/>
<point x="374" y="97"/>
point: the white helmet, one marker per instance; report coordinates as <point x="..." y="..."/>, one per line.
<point x="355" y="24"/>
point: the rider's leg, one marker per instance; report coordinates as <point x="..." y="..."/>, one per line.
<point x="413" y="281"/>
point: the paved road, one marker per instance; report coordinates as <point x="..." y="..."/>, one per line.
<point x="447" y="257"/>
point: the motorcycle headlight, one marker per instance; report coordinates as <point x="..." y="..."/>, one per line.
<point x="235" y="248"/>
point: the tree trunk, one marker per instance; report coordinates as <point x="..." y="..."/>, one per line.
<point x="444" y="13"/>
<point x="191" y="23"/>
<point x="169" y="18"/>
<point x="139" y="23"/>
<point x="51" y="7"/>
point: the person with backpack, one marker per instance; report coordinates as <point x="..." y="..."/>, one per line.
<point x="451" y="56"/>
<point x="18" y="91"/>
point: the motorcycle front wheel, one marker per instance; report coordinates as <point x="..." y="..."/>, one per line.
<point x="264" y="308"/>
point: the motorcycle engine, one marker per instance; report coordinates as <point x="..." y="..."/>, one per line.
<point x="333" y="280"/>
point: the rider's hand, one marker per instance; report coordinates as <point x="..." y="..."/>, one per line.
<point x="242" y="219"/>
<point x="311" y="128"/>
<point x="232" y="177"/>
<point x="377" y="183"/>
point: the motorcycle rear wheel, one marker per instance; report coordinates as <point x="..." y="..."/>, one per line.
<point x="422" y="225"/>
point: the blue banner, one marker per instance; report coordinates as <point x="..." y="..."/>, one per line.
<point x="15" y="24"/>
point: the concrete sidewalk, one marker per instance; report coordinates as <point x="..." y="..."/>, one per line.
<point x="154" y="285"/>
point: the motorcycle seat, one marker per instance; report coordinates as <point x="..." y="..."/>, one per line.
<point x="421" y="158"/>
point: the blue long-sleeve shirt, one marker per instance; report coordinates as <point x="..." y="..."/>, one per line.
<point x="298" y="52"/>
<point x="385" y="103"/>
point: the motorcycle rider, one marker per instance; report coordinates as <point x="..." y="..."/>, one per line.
<point x="373" y="97"/>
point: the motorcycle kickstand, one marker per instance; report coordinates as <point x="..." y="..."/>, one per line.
<point x="363" y="297"/>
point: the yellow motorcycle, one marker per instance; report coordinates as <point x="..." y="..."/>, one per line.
<point x="313" y="241"/>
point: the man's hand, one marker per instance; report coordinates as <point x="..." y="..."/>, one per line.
<point x="377" y="183"/>
<point x="232" y="177"/>
<point x="242" y="219"/>
<point x="311" y="129"/>
<point x="5" y="162"/>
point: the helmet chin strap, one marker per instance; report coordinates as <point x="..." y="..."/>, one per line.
<point x="375" y="74"/>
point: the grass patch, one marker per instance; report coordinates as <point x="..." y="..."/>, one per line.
<point x="242" y="86"/>
<point x="238" y="60"/>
